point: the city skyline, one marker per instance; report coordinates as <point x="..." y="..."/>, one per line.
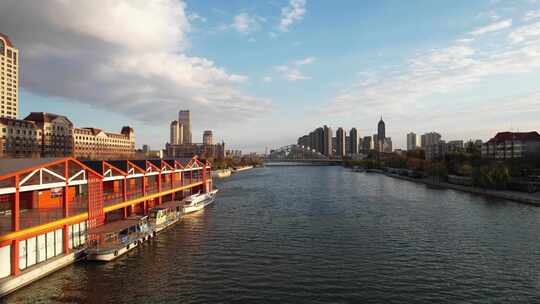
<point x="476" y="63"/>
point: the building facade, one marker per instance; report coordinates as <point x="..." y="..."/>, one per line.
<point x="9" y="75"/>
<point x="19" y="138"/>
<point x="456" y="146"/>
<point x="367" y="144"/>
<point x="176" y="133"/>
<point x="184" y="118"/>
<point x="429" y="139"/>
<point x="215" y="151"/>
<point x="381" y="135"/>
<point x="340" y="142"/>
<point x="353" y="141"/>
<point x="436" y="151"/>
<point x="511" y="145"/>
<point x="208" y="138"/>
<point x="93" y="143"/>
<point x="412" y="141"/>
<point x="56" y="133"/>
<point x="327" y="141"/>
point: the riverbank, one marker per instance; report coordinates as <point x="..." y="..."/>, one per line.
<point x="509" y="195"/>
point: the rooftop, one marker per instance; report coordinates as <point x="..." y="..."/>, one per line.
<point x="6" y="38"/>
<point x="523" y="136"/>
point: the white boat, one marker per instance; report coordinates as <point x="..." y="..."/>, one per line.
<point x="165" y="215"/>
<point x="114" y="239"/>
<point x="198" y="201"/>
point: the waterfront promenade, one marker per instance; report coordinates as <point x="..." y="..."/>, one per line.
<point x="520" y="197"/>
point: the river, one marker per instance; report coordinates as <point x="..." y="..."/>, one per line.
<point x="322" y="235"/>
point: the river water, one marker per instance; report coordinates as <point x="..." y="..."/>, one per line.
<point x="322" y="235"/>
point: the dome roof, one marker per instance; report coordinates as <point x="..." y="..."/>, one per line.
<point x="6" y="38"/>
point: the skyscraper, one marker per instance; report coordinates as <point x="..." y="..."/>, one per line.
<point x="176" y="133"/>
<point x="430" y="138"/>
<point x="9" y="90"/>
<point x="353" y="139"/>
<point x="381" y="135"/>
<point x="340" y="142"/>
<point x="327" y="142"/>
<point x="412" y="141"/>
<point x="207" y="137"/>
<point x="366" y="144"/>
<point x="184" y="118"/>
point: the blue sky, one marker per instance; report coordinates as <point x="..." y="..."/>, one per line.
<point x="262" y="73"/>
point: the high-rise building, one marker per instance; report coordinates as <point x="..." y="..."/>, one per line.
<point x="184" y="118"/>
<point x="9" y="73"/>
<point x="412" y="141"/>
<point x="353" y="141"/>
<point x="366" y="144"/>
<point x="340" y="142"/>
<point x="381" y="135"/>
<point x="387" y="146"/>
<point x="177" y="133"/>
<point x="429" y="139"/>
<point x="207" y="137"/>
<point x="327" y="141"/>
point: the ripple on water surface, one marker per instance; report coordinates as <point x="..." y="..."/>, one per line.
<point x="322" y="235"/>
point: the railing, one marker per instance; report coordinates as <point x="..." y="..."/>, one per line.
<point x="112" y="198"/>
<point x="151" y="189"/>
<point x="134" y="194"/>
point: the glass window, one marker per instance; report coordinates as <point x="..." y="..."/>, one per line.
<point x="70" y="236"/>
<point x="59" y="242"/>
<point x="76" y="240"/>
<point x="5" y="261"/>
<point x="22" y="254"/>
<point x="42" y="249"/>
<point x="32" y="252"/>
<point x="50" y="245"/>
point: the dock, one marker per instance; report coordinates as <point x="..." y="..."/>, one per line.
<point x="50" y="208"/>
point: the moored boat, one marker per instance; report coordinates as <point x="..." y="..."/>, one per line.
<point x="198" y="201"/>
<point x="165" y="215"/>
<point x="114" y="239"/>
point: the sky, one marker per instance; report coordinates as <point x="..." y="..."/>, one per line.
<point x="262" y="73"/>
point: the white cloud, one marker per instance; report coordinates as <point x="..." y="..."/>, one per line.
<point x="291" y="72"/>
<point x="246" y="24"/>
<point x="123" y="56"/>
<point x="530" y="15"/>
<point x="196" y="17"/>
<point x="493" y="27"/>
<point x="295" y="75"/>
<point x="530" y="32"/>
<point x="267" y="79"/>
<point x="292" y="13"/>
<point x="438" y="72"/>
<point x="305" y="61"/>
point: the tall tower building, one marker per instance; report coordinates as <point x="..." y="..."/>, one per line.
<point x="353" y="139"/>
<point x="412" y="141"/>
<point x="381" y="135"/>
<point x="327" y="141"/>
<point x="184" y="118"/>
<point x="9" y="74"/>
<point x="340" y="142"/>
<point x="207" y="137"/>
<point x="176" y="133"/>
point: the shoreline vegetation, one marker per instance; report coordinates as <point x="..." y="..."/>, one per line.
<point x="515" y="179"/>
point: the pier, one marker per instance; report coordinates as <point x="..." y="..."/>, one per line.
<point x="48" y="205"/>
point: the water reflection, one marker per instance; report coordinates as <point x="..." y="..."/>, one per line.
<point x="322" y="235"/>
